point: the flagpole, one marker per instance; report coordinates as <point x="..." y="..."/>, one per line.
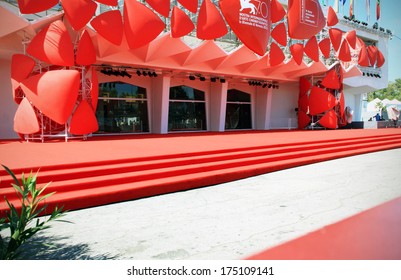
<point x="343" y="8"/>
<point x="380" y="19"/>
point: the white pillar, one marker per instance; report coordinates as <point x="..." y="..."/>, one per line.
<point x="8" y="106"/>
<point x="263" y="108"/>
<point x="160" y="104"/>
<point x="218" y="100"/>
<point x="358" y="107"/>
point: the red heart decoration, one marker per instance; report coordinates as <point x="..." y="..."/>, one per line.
<point x="351" y="37"/>
<point x="363" y="59"/>
<point x="108" y="2"/>
<point x="276" y="55"/>
<point x="277" y="11"/>
<point x="303" y="103"/>
<point x="250" y="21"/>
<point x="33" y="6"/>
<point x="304" y="86"/>
<point x="344" y="54"/>
<point x="181" y="24"/>
<point x="109" y="25"/>
<point x="320" y="101"/>
<point x="325" y="46"/>
<point x="21" y="67"/>
<point x="312" y="49"/>
<point x="303" y="120"/>
<point x="329" y="120"/>
<point x="25" y="120"/>
<point x="297" y="51"/>
<point x="190" y="5"/>
<point x="83" y="121"/>
<point x="86" y="53"/>
<point x="336" y="37"/>
<point x="53" y="92"/>
<point x="279" y="33"/>
<point x="331" y="80"/>
<point x="53" y="45"/>
<point x="372" y="54"/>
<point x="210" y="24"/>
<point x="141" y="24"/>
<point x="380" y="59"/>
<point x="332" y="18"/>
<point x="84" y="8"/>
<point x="160" y="6"/>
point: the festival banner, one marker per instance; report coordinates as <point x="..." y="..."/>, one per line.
<point x="250" y="20"/>
<point x="305" y="19"/>
<point x="377" y="9"/>
<point x="351" y="8"/>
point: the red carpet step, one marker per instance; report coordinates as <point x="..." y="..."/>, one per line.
<point x="87" y="183"/>
<point x="374" y="234"/>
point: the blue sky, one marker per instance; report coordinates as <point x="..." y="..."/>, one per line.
<point x="390" y="19"/>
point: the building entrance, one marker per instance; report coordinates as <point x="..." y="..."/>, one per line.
<point x="238" y="110"/>
<point x="187" y="109"/>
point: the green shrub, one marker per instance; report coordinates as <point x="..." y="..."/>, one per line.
<point x="25" y="223"/>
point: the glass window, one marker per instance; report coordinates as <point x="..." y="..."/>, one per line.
<point x="186" y="93"/>
<point x="234" y="95"/>
<point x="122" y="108"/>
<point x="238" y="110"/>
<point x="187" y="109"/>
<point x="121" y="90"/>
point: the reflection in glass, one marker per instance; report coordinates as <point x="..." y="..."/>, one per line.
<point x="238" y="110"/>
<point x="122" y="108"/>
<point x="187" y="110"/>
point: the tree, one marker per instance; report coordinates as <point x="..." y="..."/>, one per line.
<point x="393" y="91"/>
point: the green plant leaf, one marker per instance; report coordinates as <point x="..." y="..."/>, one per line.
<point x="22" y="223"/>
<point x="11" y="174"/>
<point x="45" y="196"/>
<point x="43" y="188"/>
<point x="18" y="189"/>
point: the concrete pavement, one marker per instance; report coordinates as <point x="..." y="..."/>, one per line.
<point x="232" y="220"/>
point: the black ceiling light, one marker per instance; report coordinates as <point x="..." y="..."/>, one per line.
<point x="124" y="73"/>
<point x="192" y="78"/>
<point x="107" y="72"/>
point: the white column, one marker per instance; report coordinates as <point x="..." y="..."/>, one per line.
<point x="218" y="100"/>
<point x="358" y="107"/>
<point x="160" y="104"/>
<point x="8" y="106"/>
<point x="263" y="108"/>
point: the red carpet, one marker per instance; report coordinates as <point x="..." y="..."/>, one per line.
<point x="106" y="170"/>
<point x="374" y="234"/>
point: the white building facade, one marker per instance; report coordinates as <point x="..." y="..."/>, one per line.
<point x="191" y="84"/>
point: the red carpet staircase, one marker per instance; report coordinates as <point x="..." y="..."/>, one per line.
<point x="91" y="184"/>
